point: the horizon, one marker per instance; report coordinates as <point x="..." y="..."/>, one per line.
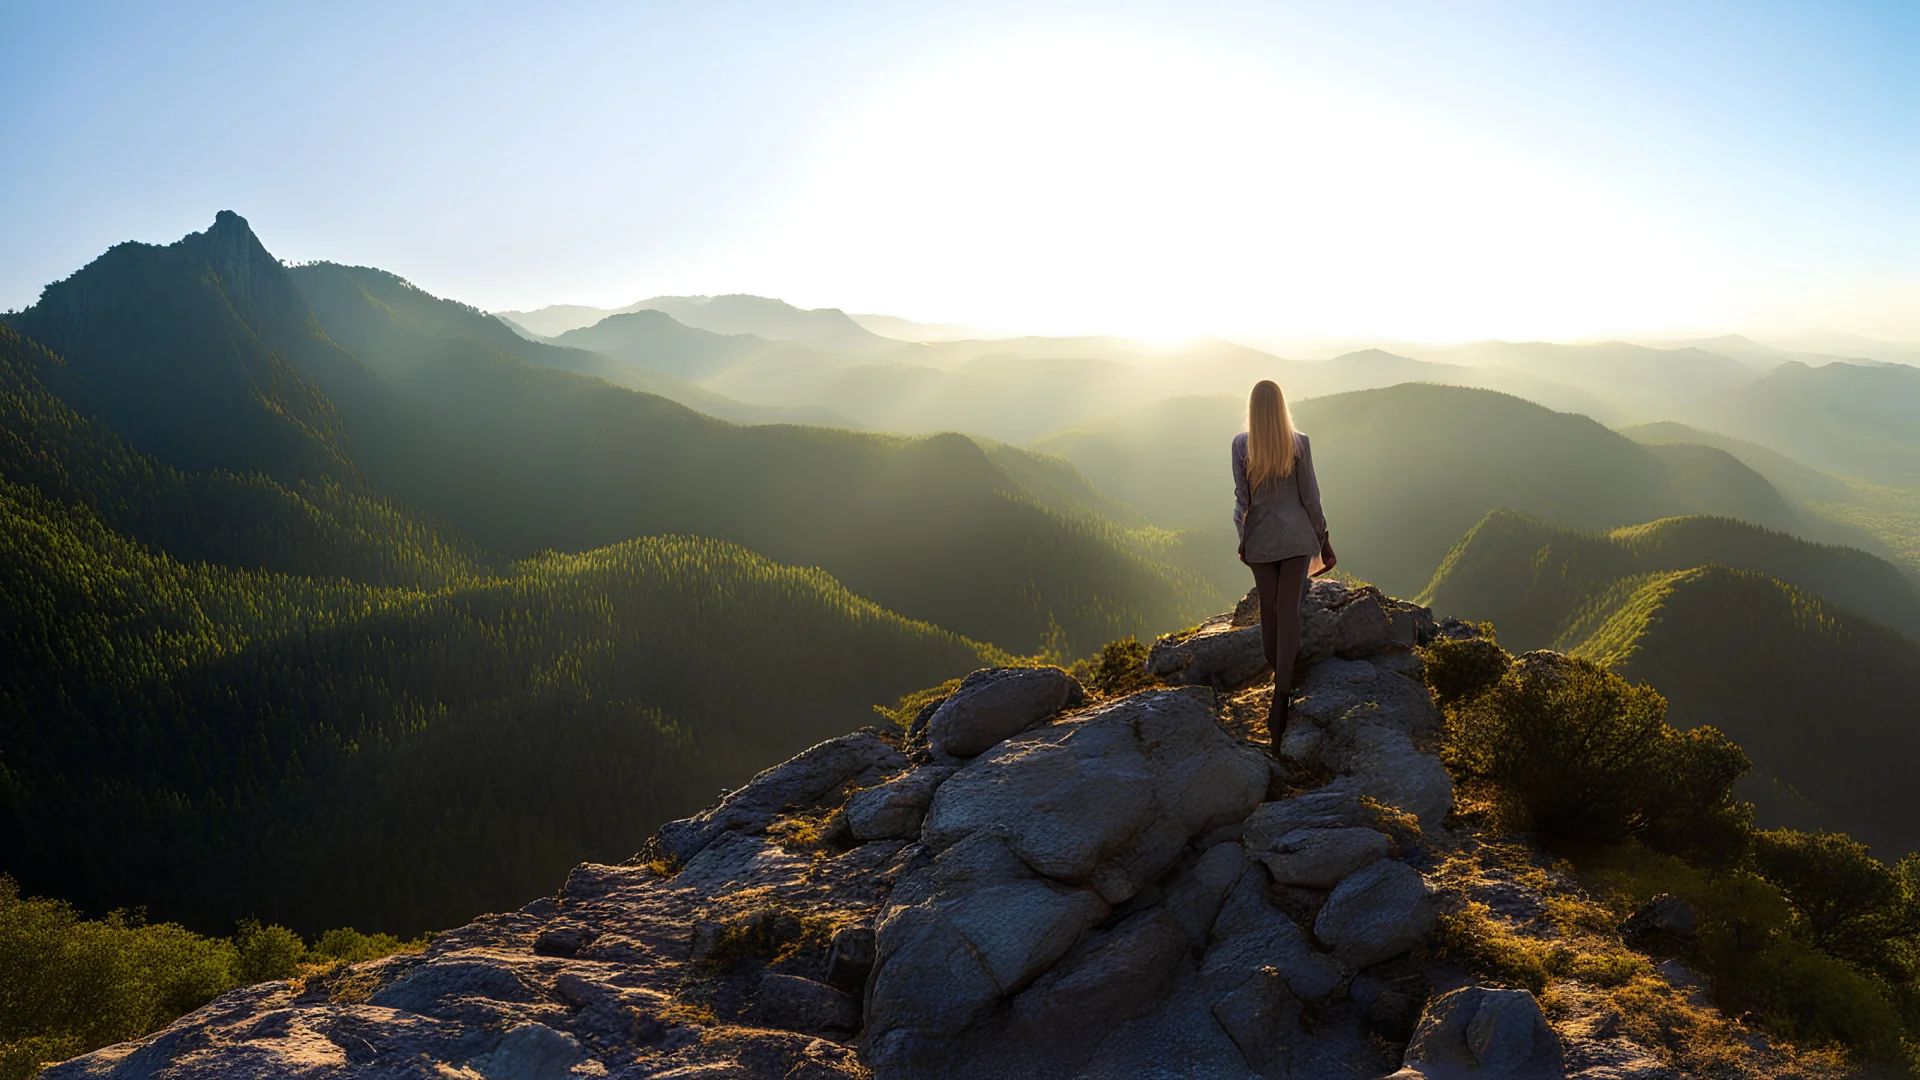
<point x="1383" y="173"/>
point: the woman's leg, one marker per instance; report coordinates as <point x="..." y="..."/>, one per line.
<point x="1266" y="578"/>
<point x="1289" y="581"/>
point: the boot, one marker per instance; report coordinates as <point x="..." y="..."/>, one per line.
<point x="1277" y="715"/>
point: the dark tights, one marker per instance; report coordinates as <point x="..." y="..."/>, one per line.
<point x="1280" y="619"/>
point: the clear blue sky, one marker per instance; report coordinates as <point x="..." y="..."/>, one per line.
<point x="1413" y="169"/>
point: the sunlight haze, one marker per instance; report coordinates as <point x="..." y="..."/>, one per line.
<point x="1385" y="171"/>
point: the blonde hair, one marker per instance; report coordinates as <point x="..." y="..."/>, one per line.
<point x="1270" y="441"/>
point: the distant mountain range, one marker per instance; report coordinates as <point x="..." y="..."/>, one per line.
<point x="1406" y="470"/>
<point x="827" y="329"/>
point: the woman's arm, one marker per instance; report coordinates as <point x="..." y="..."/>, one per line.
<point x="1310" y="490"/>
<point x="1240" y="492"/>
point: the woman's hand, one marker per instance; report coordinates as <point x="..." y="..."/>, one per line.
<point x="1327" y="557"/>
<point x="1243" y="551"/>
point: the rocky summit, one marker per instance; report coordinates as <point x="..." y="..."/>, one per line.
<point x="1034" y="881"/>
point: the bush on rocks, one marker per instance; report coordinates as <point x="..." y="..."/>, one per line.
<point x="1575" y="753"/>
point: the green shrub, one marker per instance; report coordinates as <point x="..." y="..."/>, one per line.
<point x="1577" y="754"/>
<point x="1846" y="902"/>
<point x="1119" y="669"/>
<point x="69" y="985"/>
<point x="352" y="946"/>
<point x="266" y="952"/>
<point x="1461" y="670"/>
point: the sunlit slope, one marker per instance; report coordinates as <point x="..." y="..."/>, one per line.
<point x="1839" y="509"/>
<point x="212" y="743"/>
<point x="1546" y="586"/>
<point x="1406" y="470"/>
<point x="1826" y="702"/>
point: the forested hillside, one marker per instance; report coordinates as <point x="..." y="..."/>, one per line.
<point x="212" y="743"/>
<point x="1544" y="585"/>
<point x="1824" y="701"/>
<point x="1405" y="470"/>
<point x="1782" y="644"/>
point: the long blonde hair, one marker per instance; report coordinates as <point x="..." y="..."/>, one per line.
<point x="1270" y="441"/>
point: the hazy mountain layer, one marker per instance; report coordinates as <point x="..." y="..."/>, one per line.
<point x="1837" y="509"/>
<point x="1404" y="471"/>
<point x="1851" y="419"/>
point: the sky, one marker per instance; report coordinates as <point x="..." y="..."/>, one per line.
<point x="1405" y="170"/>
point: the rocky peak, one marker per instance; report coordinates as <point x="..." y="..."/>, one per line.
<point x="1033" y="882"/>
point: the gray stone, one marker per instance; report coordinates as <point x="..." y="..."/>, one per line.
<point x="797" y="1004"/>
<point x="850" y="958"/>
<point x="1258" y="1015"/>
<point x="1379" y="911"/>
<point x="1364" y="722"/>
<point x="531" y="1052"/>
<point x="1218" y="653"/>
<point x="431" y="988"/>
<point x="1109" y="797"/>
<point x="1483" y="1033"/>
<point x="1320" y="858"/>
<point x="967" y="932"/>
<point x="994" y="704"/>
<point x="895" y="809"/>
<point x="1323" y="808"/>
<point x="816" y="776"/>
<point x="1250" y="934"/>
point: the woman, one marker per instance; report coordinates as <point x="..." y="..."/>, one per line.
<point x="1276" y="508"/>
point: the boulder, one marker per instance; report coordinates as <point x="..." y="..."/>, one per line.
<point x="1320" y="858"/>
<point x="1483" y="1033"/>
<point x="1251" y="934"/>
<point x="850" y="958"/>
<point x="1219" y="653"/>
<point x="797" y="1004"/>
<point x="1324" y="808"/>
<point x="531" y="1052"/>
<point x="1107" y="798"/>
<point x="993" y="704"/>
<point x="1257" y="1015"/>
<point x="1354" y="621"/>
<point x="895" y="809"/>
<point x="817" y="776"/>
<point x="1361" y="721"/>
<point x="1379" y="911"/>
<point x="959" y="937"/>
<point x="1036" y="841"/>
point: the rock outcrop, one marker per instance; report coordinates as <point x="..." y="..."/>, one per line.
<point x="1046" y="887"/>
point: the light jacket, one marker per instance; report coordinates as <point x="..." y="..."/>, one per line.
<point x="1282" y="520"/>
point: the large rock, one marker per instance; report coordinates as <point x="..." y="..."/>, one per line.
<point x="1251" y="934"/>
<point x="895" y="809"/>
<point x="994" y="704"/>
<point x="1379" y="911"/>
<point x="1036" y="841"/>
<point x="820" y="775"/>
<point x="1109" y="797"/>
<point x="1336" y="619"/>
<point x="1364" y="722"/>
<point x="1483" y="1033"/>
<point x="959" y="937"/>
<point x="797" y="1004"/>
<point x="1321" y="858"/>
<point x="1218" y="653"/>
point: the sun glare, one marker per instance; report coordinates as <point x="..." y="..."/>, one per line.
<point x="1134" y="187"/>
